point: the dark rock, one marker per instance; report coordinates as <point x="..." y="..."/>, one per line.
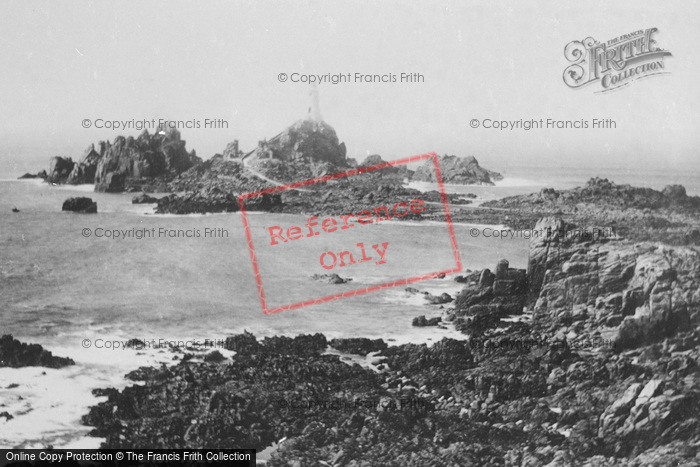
<point x="214" y="357"/>
<point x="16" y="354"/>
<point x="437" y="299"/>
<point x="143" y="198"/>
<point x="305" y="150"/>
<point x="675" y="192"/>
<point x="84" y="171"/>
<point x="28" y="176"/>
<point x="330" y="278"/>
<point x="60" y="169"/>
<point x="421" y="321"/>
<point x="81" y="204"/>
<point x="358" y="345"/>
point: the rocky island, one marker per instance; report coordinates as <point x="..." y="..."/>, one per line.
<point x="147" y="162"/>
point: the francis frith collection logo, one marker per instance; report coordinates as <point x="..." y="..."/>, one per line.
<point x="614" y="63"/>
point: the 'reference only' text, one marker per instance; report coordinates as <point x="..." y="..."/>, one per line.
<point x="330" y="259"/>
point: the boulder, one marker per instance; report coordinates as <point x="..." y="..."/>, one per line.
<point x="81" y="205"/>
<point x="421" y="321"/>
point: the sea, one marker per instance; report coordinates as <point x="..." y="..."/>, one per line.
<point x="68" y="284"/>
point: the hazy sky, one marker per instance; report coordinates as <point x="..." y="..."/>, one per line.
<point x="62" y="62"/>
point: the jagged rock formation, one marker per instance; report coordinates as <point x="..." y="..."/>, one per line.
<point x="60" y="169"/>
<point x="84" y="171"/>
<point x="132" y="162"/>
<point x="457" y="170"/>
<point x="489" y="297"/>
<point x="631" y="293"/>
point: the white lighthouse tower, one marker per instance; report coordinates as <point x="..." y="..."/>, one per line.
<point x="314" y="109"/>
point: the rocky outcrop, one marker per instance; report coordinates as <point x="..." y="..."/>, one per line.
<point x="144" y="198"/>
<point x="129" y="163"/>
<point x="304" y="141"/>
<point x="569" y="383"/>
<point x="374" y="159"/>
<point x="27" y="176"/>
<point x="639" y="214"/>
<point x="487" y="298"/>
<point x="358" y="345"/>
<point x="422" y="321"/>
<point x="631" y="293"/>
<point x="307" y="149"/>
<point x="330" y="278"/>
<point x="81" y="205"/>
<point x="60" y="169"/>
<point x="214" y="199"/>
<point x="217" y="172"/>
<point x="16" y="354"/>
<point x="457" y="170"/>
<point x="208" y="201"/>
<point x="84" y="171"/>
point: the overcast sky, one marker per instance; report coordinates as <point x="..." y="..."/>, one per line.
<point x="63" y="62"/>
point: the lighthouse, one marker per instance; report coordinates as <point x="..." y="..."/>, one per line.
<point x="314" y="110"/>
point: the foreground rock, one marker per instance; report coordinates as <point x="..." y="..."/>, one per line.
<point x="15" y="354"/>
<point x="603" y="372"/>
<point x="81" y="205"/>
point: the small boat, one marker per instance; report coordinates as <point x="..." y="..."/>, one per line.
<point x="15" y="210"/>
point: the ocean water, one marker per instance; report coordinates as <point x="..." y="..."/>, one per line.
<point x="59" y="287"/>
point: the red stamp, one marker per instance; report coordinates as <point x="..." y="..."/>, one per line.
<point x="322" y="233"/>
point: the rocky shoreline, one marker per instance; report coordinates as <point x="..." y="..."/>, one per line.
<point x="588" y="357"/>
<point x="602" y="370"/>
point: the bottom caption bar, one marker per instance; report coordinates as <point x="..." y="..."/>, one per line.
<point x="124" y="457"/>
